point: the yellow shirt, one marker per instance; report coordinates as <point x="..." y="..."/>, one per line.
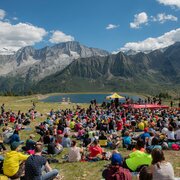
<point x="57" y="121"/>
<point x="12" y="161"/>
<point x="103" y="142"/>
<point x="145" y="123"/>
<point x="141" y="126"/>
<point x="72" y="124"/>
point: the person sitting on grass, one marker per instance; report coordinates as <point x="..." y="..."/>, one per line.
<point x="154" y="144"/>
<point x="95" y="151"/>
<point x="7" y="132"/>
<point x="13" y="165"/>
<point x="126" y="140"/>
<point x="136" y="160"/>
<point x="103" y="139"/>
<point x="141" y="125"/>
<point x="2" y="147"/>
<point x="86" y="140"/>
<point x="80" y="133"/>
<point x="145" y="136"/>
<point x="170" y="134"/>
<point x="161" y="169"/>
<point x="15" y="137"/>
<point x="47" y="138"/>
<point x="74" y="152"/>
<point x="55" y="147"/>
<point x="116" y="158"/>
<point x="152" y="135"/>
<point x="36" y="164"/>
<point x="66" y="141"/>
<point x="145" y="173"/>
<point x="139" y="145"/>
<point x="115" y="169"/>
<point x="30" y="143"/>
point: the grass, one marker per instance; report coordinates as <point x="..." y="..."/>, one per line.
<point x="71" y="171"/>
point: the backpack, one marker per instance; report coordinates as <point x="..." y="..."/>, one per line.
<point x="116" y="173"/>
<point x="175" y="147"/>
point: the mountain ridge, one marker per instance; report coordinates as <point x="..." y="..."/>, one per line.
<point x="85" y="69"/>
<point x="143" y="72"/>
<point x="36" y="64"/>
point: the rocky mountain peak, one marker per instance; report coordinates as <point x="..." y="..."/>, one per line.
<point x="24" y="53"/>
<point x="38" y="63"/>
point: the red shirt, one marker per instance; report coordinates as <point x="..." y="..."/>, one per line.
<point x="119" y="126"/>
<point x="124" y="120"/>
<point x="95" y="150"/>
<point x="12" y="119"/>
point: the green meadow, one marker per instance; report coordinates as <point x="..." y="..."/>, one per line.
<point x="70" y="171"/>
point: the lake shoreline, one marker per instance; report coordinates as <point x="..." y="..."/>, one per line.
<point x="85" y="97"/>
<point x="43" y="96"/>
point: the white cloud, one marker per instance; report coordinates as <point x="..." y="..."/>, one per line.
<point x="2" y="14"/>
<point x="162" y="18"/>
<point x="112" y="26"/>
<point x="150" y="44"/>
<point x="59" y="36"/>
<point x="173" y="3"/>
<point x="139" y="19"/>
<point x="19" y="35"/>
<point x="15" y="18"/>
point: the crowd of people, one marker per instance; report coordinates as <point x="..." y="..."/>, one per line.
<point x="92" y="134"/>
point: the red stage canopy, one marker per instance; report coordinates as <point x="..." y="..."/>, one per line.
<point x="148" y="106"/>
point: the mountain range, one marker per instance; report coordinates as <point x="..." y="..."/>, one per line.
<point x="72" y="67"/>
<point x="33" y="64"/>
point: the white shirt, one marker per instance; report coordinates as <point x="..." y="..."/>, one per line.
<point x="74" y="154"/>
<point x="164" y="130"/>
<point x="66" y="130"/>
<point x="165" y="172"/>
<point x="170" y="135"/>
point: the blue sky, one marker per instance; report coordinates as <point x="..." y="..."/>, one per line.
<point x="107" y="24"/>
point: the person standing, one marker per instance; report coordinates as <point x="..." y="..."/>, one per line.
<point x="171" y="103"/>
<point x="35" y="165"/>
<point x="2" y="109"/>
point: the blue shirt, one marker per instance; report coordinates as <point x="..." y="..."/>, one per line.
<point x="14" y="137"/>
<point x="127" y="140"/>
<point x="66" y="142"/>
<point x="144" y="136"/>
<point x="33" y="167"/>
